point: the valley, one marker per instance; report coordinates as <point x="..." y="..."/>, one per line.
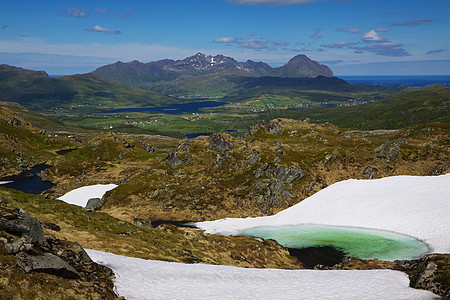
<point x="258" y="148"/>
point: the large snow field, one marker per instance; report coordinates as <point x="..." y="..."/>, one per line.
<point x="80" y="196"/>
<point x="418" y="206"/>
<point x="146" y="279"/>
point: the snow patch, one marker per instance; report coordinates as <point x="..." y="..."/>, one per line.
<point x="417" y="206"/>
<point x="80" y="196"/>
<point x="146" y="279"/>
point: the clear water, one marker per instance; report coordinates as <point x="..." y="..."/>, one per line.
<point x="355" y="242"/>
<point x="28" y="181"/>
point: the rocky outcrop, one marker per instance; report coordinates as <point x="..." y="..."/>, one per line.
<point x="388" y="151"/>
<point x="93" y="204"/>
<point x="19" y="223"/>
<point x="274" y="186"/>
<point x="46" y="263"/>
<point x="271" y="127"/>
<point x="431" y="272"/>
<point x="22" y="240"/>
<point x="219" y="142"/>
<point x="369" y="172"/>
<point x="13" y="122"/>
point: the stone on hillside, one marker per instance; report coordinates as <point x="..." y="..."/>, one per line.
<point x="388" y="150"/>
<point x="140" y="222"/>
<point x="19" y="245"/>
<point x="173" y="160"/>
<point x="46" y="263"/>
<point x="253" y="158"/>
<point x="369" y="172"/>
<point x="93" y="204"/>
<point x="13" y="122"/>
<point x="23" y="224"/>
<point x="218" y="142"/>
<point x="440" y="168"/>
<point x="271" y="127"/>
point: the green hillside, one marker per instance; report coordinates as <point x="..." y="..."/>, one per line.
<point x="82" y="92"/>
<point x="401" y="111"/>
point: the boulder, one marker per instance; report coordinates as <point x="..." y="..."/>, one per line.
<point x="13" y="122"/>
<point x="93" y="204"/>
<point x="173" y="160"/>
<point x="369" y="172"/>
<point x="218" y="142"/>
<point x="20" y="245"/>
<point x="46" y="263"/>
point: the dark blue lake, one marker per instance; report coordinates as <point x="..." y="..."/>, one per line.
<point x="28" y="181"/>
<point x="393" y="81"/>
<point x="173" y="109"/>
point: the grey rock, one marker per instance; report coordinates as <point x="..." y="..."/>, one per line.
<point x="440" y="168"/>
<point x="185" y="145"/>
<point x="173" y="160"/>
<point x="388" y="150"/>
<point x="139" y="222"/>
<point x="253" y="158"/>
<point x="13" y="122"/>
<point x="19" y="245"/>
<point x="218" y="142"/>
<point x="46" y="263"/>
<point x="273" y="127"/>
<point x="369" y="172"/>
<point x="260" y="171"/>
<point x="13" y="227"/>
<point x="93" y="204"/>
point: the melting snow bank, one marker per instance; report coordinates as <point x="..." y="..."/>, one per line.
<point x="80" y="196"/>
<point x="147" y="279"/>
<point x="417" y="206"/>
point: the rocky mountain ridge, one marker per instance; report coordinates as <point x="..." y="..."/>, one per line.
<point x="136" y="73"/>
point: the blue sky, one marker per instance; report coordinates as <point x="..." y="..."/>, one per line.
<point x="353" y="37"/>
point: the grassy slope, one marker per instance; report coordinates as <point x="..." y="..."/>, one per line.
<point x="25" y="145"/>
<point x="102" y="232"/>
<point x="407" y="109"/>
<point x="37" y="91"/>
<point x="202" y="189"/>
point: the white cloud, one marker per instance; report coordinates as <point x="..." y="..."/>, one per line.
<point x="372" y="36"/>
<point x="227" y="40"/>
<point x="97" y="28"/>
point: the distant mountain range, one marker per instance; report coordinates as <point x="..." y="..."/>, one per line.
<point x="154" y="74"/>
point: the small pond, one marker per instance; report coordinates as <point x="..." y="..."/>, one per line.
<point x="28" y="181"/>
<point x="353" y="242"/>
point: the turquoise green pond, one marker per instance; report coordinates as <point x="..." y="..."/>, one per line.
<point x="354" y="242"/>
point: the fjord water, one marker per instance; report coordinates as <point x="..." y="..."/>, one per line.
<point x="354" y="242"/>
<point x="393" y="81"/>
